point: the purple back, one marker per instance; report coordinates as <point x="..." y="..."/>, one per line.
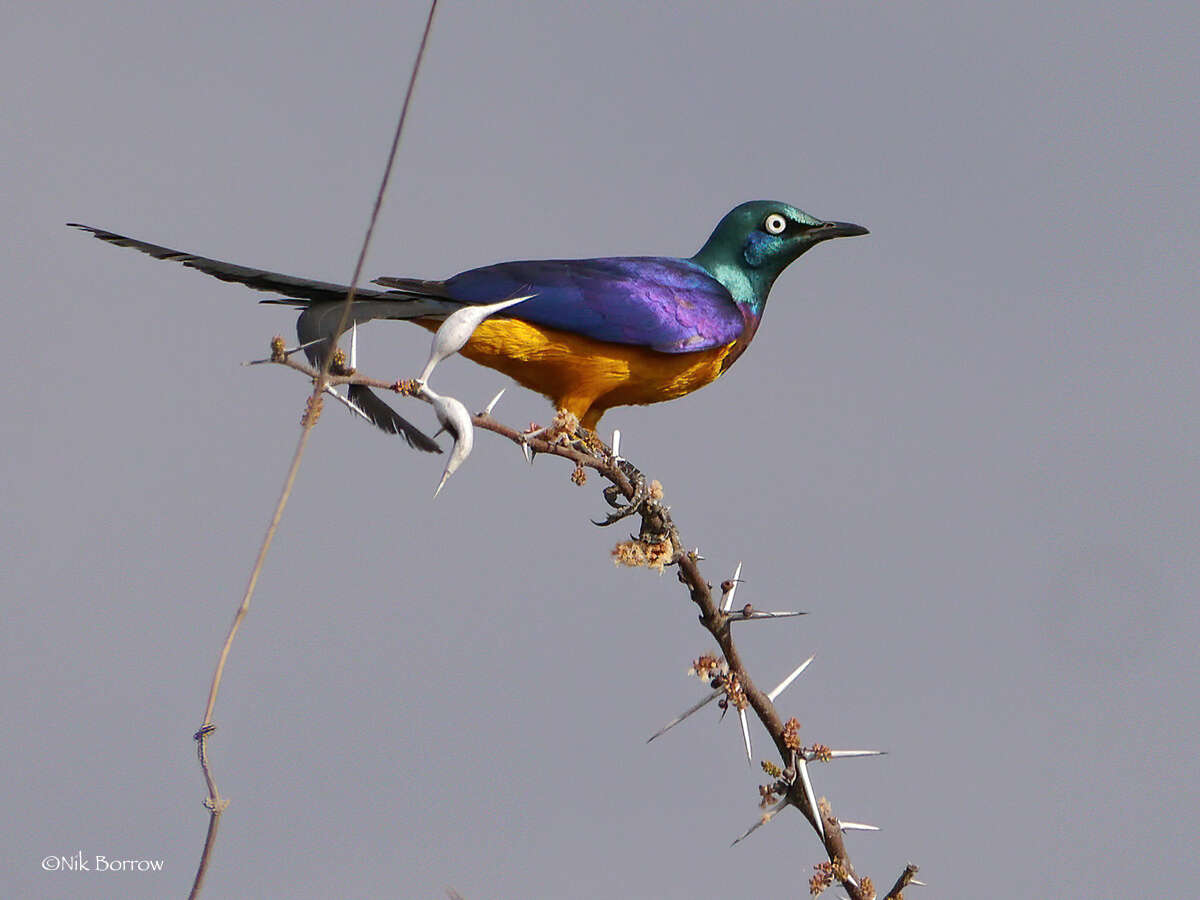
<point x="670" y="305"/>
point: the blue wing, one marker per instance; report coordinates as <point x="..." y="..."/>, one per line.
<point x="671" y="305"/>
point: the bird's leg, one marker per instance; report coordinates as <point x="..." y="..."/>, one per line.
<point x="589" y="441"/>
<point x="656" y="524"/>
<point x="613" y="494"/>
<point x="564" y="430"/>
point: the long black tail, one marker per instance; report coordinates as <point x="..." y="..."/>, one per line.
<point x="319" y="301"/>
<point x="301" y="289"/>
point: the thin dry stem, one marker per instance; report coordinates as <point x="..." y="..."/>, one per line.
<point x="216" y="805"/>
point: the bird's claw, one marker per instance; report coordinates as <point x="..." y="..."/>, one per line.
<point x="612" y="495"/>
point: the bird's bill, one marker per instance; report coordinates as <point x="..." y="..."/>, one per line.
<point x="827" y="230"/>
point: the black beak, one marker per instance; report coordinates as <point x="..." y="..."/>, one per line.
<point x="827" y="230"/>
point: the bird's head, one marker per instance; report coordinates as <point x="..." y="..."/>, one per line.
<point x="757" y="240"/>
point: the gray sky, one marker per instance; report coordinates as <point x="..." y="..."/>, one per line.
<point x="966" y="443"/>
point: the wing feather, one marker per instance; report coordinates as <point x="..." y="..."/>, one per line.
<point x="670" y="305"/>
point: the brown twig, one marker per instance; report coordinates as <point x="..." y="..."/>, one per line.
<point x="214" y="802"/>
<point x="907" y="877"/>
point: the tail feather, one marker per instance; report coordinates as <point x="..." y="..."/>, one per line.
<point x="259" y="279"/>
<point x="387" y="419"/>
<point x="416" y="286"/>
<point x="320" y="302"/>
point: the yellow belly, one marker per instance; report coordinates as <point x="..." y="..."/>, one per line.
<point x="586" y="376"/>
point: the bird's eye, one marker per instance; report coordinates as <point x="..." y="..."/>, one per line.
<point x="774" y="224"/>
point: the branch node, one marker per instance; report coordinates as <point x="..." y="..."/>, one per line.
<point x="312" y="410"/>
<point x="907" y="877"/>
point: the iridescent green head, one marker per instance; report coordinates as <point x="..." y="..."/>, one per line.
<point x="757" y="240"/>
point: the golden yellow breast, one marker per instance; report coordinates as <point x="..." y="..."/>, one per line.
<point x="583" y="375"/>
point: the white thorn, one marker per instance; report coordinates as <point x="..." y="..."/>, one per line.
<point x="455" y="419"/>
<point x="746" y="735"/>
<point x="921" y="883"/>
<point x="856" y="826"/>
<point x="802" y="769"/>
<point x="783" y="685"/>
<point x="292" y="351"/>
<point x="487" y="410"/>
<point x="727" y="600"/>
<point x="346" y="402"/>
<point x="287" y="351"/>
<point x="528" y="451"/>
<point x="679" y="718"/>
<point x="453" y="334"/>
<point x="354" y="345"/>
<point x="616" y="445"/>
<point x="304" y="346"/>
<point x="763" y="820"/>
<point x="757" y="614"/>
<point x="850" y="754"/>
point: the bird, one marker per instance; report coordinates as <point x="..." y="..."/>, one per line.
<point x="592" y="334"/>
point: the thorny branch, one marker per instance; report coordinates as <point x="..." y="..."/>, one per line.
<point x="659" y="545"/>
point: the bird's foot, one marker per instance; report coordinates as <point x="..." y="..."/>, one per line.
<point x="613" y="493"/>
<point x="564" y="430"/>
<point x="613" y="496"/>
<point x="588" y="441"/>
<point x="561" y="430"/>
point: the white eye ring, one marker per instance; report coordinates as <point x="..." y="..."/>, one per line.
<point x="774" y="224"/>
